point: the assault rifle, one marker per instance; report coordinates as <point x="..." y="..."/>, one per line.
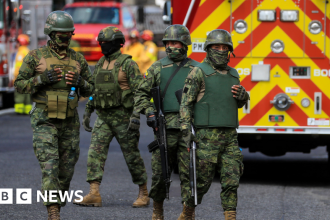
<point x="161" y="143"/>
<point x="192" y="163"/>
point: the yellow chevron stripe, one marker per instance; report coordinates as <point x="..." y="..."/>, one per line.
<point x="321" y="6"/>
<point x="202" y="2"/>
<point x="241" y="37"/>
<point x="208" y="24"/>
<point x="284" y="80"/>
<point x="220" y="14"/>
<point x="264" y="121"/>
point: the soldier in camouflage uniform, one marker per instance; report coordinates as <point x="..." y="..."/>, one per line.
<point x="116" y="78"/>
<point x="176" y="41"/>
<point x="48" y="73"/>
<point x="212" y="93"/>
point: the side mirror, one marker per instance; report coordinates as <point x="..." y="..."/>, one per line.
<point x="167" y="15"/>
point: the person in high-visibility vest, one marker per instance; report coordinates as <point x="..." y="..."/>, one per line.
<point x="149" y="53"/>
<point x="135" y="48"/>
<point x="22" y="101"/>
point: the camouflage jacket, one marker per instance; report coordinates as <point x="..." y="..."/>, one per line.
<point x="143" y="96"/>
<point x="195" y="92"/>
<point x="27" y="79"/>
<point x="133" y="75"/>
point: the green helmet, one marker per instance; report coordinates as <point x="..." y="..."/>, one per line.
<point x="58" y="21"/>
<point x="219" y="36"/>
<point x="177" y="33"/>
<point x="110" y="33"/>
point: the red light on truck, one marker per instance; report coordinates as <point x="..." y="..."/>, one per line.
<point x="280" y="129"/>
<point x="20" y="7"/>
<point x="299" y="130"/>
<point x="262" y="129"/>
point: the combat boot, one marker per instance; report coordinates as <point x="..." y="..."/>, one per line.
<point x="158" y="211"/>
<point x="230" y="215"/>
<point x="143" y="197"/>
<point x="93" y="198"/>
<point x="53" y="212"/>
<point x="188" y="213"/>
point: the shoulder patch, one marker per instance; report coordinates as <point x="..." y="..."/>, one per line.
<point x="189" y="81"/>
<point x="145" y="74"/>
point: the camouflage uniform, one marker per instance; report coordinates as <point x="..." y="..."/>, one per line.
<point x="113" y="122"/>
<point x="55" y="140"/>
<point x="217" y="146"/>
<point x="177" y="151"/>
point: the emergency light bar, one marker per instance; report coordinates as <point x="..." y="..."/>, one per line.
<point x="266" y="15"/>
<point x="289" y="15"/>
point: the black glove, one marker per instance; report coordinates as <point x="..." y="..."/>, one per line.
<point x="241" y="93"/>
<point x="77" y="81"/>
<point x="50" y="77"/>
<point x="134" y="121"/>
<point x="86" y="121"/>
<point x="151" y="121"/>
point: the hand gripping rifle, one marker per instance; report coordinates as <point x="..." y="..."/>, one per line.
<point x="192" y="163"/>
<point x="160" y="132"/>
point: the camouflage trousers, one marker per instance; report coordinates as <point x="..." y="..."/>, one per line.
<point x="56" y="146"/>
<point x="218" y="151"/>
<point x="177" y="154"/>
<point x="114" y="123"/>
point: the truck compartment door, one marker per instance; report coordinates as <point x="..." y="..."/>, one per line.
<point x="241" y="25"/>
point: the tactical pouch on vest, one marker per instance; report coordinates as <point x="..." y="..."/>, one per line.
<point x="57" y="102"/>
<point x="107" y="93"/>
<point x="54" y="97"/>
<point x="72" y="105"/>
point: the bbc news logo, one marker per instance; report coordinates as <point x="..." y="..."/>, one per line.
<point x="24" y="196"/>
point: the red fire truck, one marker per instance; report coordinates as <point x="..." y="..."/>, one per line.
<point x="282" y="56"/>
<point x="16" y="17"/>
<point x="90" y="17"/>
<point x="9" y="29"/>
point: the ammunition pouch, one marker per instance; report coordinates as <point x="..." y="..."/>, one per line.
<point x="153" y="146"/>
<point x="58" y="105"/>
<point x="106" y="98"/>
<point x="107" y="93"/>
<point x="54" y="97"/>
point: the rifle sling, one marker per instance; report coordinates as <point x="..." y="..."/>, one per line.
<point x="172" y="76"/>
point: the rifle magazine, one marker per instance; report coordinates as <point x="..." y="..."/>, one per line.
<point x="153" y="146"/>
